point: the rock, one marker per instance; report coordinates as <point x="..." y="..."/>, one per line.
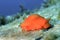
<point x="53" y="33"/>
<point x="2" y="20"/>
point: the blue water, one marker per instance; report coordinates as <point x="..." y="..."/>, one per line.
<point x="10" y="7"/>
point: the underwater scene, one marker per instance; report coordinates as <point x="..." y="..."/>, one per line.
<point x="30" y="20"/>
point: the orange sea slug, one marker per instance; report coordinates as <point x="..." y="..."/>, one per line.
<point x="35" y="22"/>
